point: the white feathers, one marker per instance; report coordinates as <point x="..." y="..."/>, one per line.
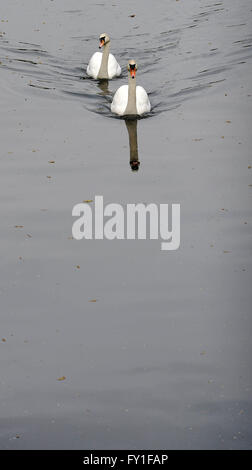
<point x="94" y="64"/>
<point x="142" y="101"/>
<point x="114" y="69"/>
<point x="120" y="101"/>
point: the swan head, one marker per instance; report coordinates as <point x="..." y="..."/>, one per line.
<point x="132" y="68"/>
<point x="104" y="39"/>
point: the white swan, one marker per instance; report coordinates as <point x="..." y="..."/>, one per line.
<point x="103" y="65"/>
<point x="131" y="99"/>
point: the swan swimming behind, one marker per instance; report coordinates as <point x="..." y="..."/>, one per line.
<point x="103" y="65"/>
<point x="131" y="99"/>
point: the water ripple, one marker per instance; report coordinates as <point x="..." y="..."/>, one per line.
<point x="165" y="61"/>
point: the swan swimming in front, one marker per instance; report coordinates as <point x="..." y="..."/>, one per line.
<point x="103" y="65"/>
<point x="131" y="99"/>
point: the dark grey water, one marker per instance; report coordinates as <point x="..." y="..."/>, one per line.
<point x="162" y="359"/>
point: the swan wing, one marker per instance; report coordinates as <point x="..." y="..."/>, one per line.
<point x="114" y="69"/>
<point x="120" y="100"/>
<point x="94" y="64"/>
<point x="142" y="101"/>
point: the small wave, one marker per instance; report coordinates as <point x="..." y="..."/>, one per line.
<point x="164" y="60"/>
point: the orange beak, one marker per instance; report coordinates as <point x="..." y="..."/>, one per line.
<point x="133" y="73"/>
<point x="101" y="43"/>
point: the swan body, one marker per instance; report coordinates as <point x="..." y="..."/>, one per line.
<point x="120" y="101"/>
<point x="103" y="65"/>
<point x="131" y="99"/>
<point x="114" y="69"/>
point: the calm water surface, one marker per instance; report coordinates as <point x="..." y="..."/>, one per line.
<point x="162" y="358"/>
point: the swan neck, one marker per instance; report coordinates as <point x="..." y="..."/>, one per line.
<point x="103" y="72"/>
<point x="131" y="105"/>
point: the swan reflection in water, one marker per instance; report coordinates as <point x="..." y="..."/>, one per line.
<point x="131" y="125"/>
<point x="103" y="85"/>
